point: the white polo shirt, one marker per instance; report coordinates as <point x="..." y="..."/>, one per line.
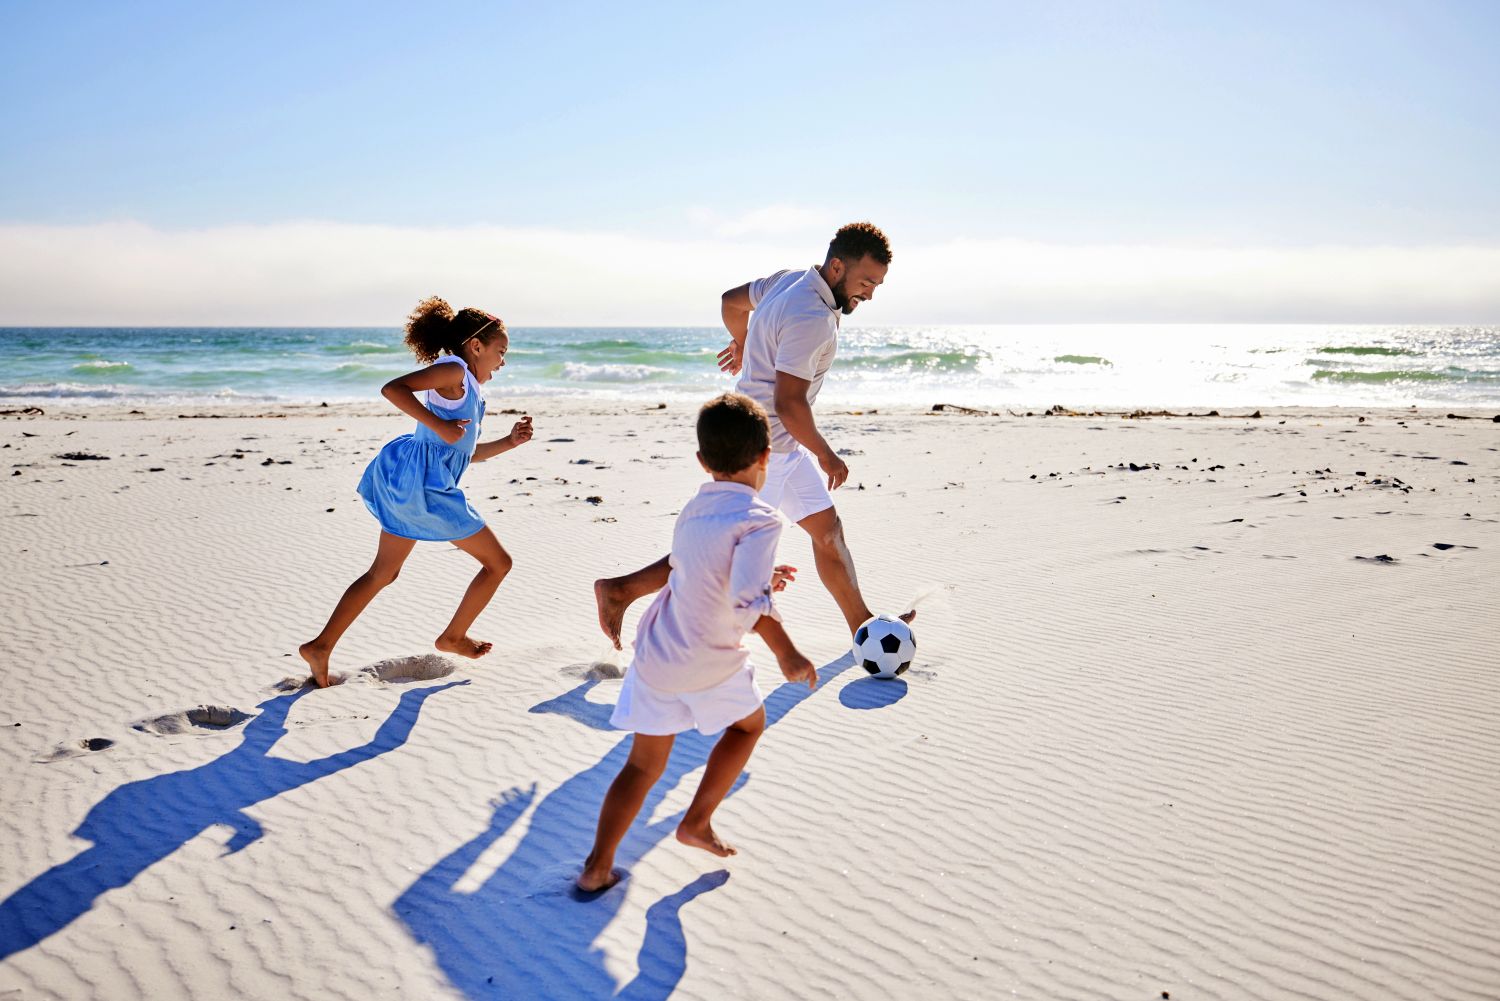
<point x="794" y="328"/>
<point x="723" y="555"/>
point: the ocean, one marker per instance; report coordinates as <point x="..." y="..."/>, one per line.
<point x="1106" y="366"/>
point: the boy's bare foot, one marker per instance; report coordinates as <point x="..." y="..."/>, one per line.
<point x="596" y="880"/>
<point x="611" y="604"/>
<point x="317" y="659"/>
<point x="705" y="838"/>
<point x="463" y="646"/>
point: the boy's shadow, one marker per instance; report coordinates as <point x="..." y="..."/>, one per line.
<point x="141" y="823"/>
<point x="525" y="932"/>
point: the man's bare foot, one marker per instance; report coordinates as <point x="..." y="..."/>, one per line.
<point x="705" y="838"/>
<point x="906" y="617"/>
<point x="317" y="659"/>
<point x="463" y="646"/>
<point x="611" y="604"/>
<point x="595" y="879"/>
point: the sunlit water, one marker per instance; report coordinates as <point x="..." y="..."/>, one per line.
<point x="1098" y="365"/>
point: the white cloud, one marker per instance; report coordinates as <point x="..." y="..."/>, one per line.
<point x="769" y="221"/>
<point x="344" y="274"/>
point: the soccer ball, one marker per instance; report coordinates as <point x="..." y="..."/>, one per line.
<point x="884" y="646"/>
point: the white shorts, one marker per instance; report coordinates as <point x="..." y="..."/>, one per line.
<point x="796" y="484"/>
<point x="651" y="711"/>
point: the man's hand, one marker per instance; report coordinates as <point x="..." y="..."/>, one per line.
<point x="730" y="360"/>
<point x="781" y="576"/>
<point x="520" y="431"/>
<point x="452" y="432"/>
<point x="796" y="668"/>
<point x="836" y="468"/>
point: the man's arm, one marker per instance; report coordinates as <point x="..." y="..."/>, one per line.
<point x="796" y="415"/>
<point x="734" y="309"/>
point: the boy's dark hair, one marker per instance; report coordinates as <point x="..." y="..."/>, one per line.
<point x="434" y="327"/>
<point x="732" y="432"/>
<point x="854" y="242"/>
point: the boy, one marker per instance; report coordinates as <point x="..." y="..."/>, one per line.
<point x="691" y="667"/>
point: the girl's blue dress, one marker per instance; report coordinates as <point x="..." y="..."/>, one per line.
<point x="411" y="486"/>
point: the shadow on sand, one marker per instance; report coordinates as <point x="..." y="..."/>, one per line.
<point x="141" y="823"/>
<point x="525" y="932"/>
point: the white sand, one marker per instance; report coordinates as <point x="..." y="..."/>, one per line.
<point x="1166" y="733"/>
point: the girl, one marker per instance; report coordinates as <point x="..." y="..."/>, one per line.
<point x="411" y="487"/>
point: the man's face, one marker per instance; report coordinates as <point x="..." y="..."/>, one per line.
<point x="853" y="283"/>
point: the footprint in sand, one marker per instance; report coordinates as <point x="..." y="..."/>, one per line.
<point x="74" y="748"/>
<point x="606" y="668"/>
<point x="393" y="670"/>
<point x="198" y="720"/>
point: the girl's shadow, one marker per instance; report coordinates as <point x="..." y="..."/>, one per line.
<point x="524" y="932"/>
<point x="141" y="823"/>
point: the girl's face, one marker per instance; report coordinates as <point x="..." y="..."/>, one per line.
<point x="485" y="359"/>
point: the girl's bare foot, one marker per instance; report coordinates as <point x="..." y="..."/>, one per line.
<point x="705" y="838"/>
<point x="317" y="659"/>
<point x="463" y="646"/>
<point x="908" y="616"/>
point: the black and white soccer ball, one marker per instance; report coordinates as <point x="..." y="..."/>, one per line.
<point x="884" y="646"/>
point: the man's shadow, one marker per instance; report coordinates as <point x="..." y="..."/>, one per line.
<point x="141" y="823"/>
<point x="525" y="932"/>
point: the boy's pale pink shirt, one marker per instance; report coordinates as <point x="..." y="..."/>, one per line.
<point x="723" y="554"/>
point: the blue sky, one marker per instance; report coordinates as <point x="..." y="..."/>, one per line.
<point x="1229" y="126"/>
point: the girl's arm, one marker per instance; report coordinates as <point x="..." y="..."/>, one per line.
<point x="402" y="392"/>
<point x="520" y="434"/>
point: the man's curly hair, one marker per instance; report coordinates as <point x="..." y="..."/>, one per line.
<point x="854" y="242"/>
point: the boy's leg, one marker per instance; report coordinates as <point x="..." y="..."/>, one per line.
<point x="495" y="563"/>
<point x="613" y="595"/>
<point x="389" y="556"/>
<point x="648" y="758"/>
<point x="728" y="760"/>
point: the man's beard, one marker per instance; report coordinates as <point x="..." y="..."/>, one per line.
<point x="841" y="297"/>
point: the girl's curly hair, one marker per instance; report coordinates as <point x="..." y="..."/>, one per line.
<point x="434" y="328"/>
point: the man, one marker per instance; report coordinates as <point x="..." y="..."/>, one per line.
<point x="783" y="336"/>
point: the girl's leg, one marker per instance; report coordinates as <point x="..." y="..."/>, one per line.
<point x="728" y="760"/>
<point x="392" y="552"/>
<point x="648" y="758"/>
<point x="494" y="565"/>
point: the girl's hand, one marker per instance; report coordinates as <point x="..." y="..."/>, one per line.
<point x="520" y="432"/>
<point x="782" y="576"/>
<point x="452" y="431"/>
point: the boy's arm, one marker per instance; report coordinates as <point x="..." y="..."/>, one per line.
<point x="734" y="310"/>
<point x="794" y="666"/>
<point x="750" y="582"/>
<point x="520" y="433"/>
